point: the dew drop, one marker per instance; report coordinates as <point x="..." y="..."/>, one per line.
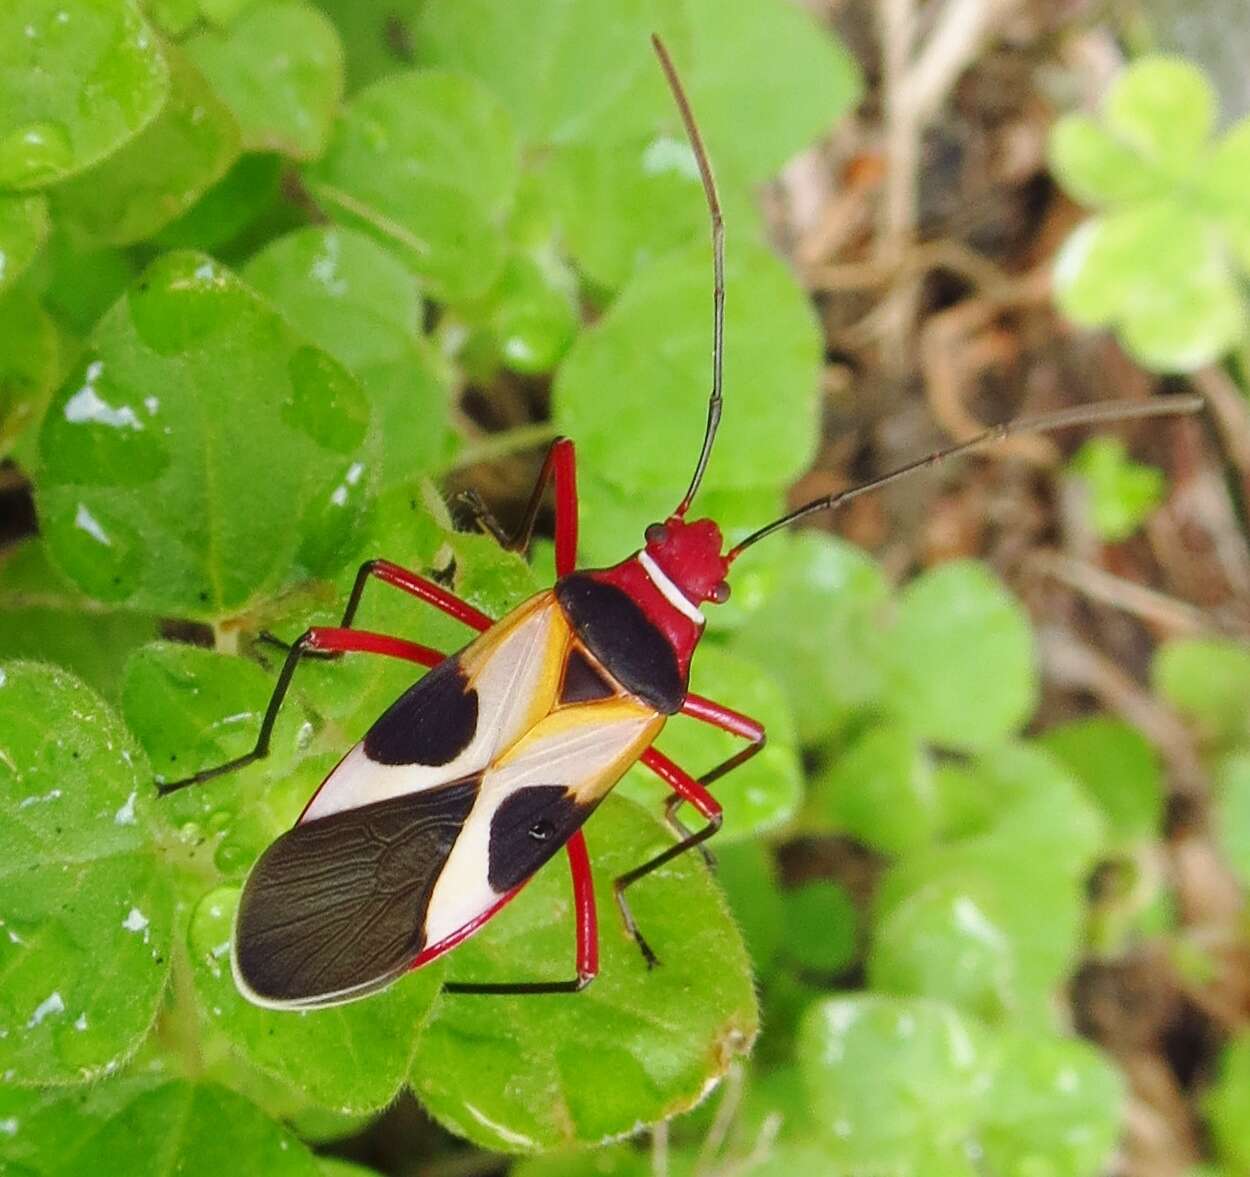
<point x="212" y="927"/>
<point x="35" y="153"/>
<point x="181" y="300"/>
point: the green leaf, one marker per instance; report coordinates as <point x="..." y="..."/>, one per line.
<point x="881" y="790"/>
<point x="1122" y="493"/>
<point x="147" y="1125"/>
<point x="641" y="373"/>
<point x="1223" y="187"/>
<point x="1096" y="167"/>
<point x="1227" y="1103"/>
<point x="346" y="292"/>
<point x="229" y="207"/>
<point x="161" y="487"/>
<point x="427" y="163"/>
<point x="159" y="175"/>
<point x="51" y="55"/>
<point x="1118" y="768"/>
<point x="1164" y="107"/>
<point x="766" y="82"/>
<point x="30" y="364"/>
<point x="568" y="72"/>
<point x="746" y="874"/>
<point x="79" y="287"/>
<point x="279" y="68"/>
<point x="377" y="38"/>
<point x="533" y="313"/>
<point x="45" y="621"/>
<point x="1232" y="813"/>
<point x="820" y="927"/>
<point x="760" y="795"/>
<point x="815" y="621"/>
<point x="1057" y="1109"/>
<point x="891" y="1079"/>
<point x="519" y="1075"/>
<point x="87" y="906"/>
<point x="1209" y="680"/>
<point x="23" y="229"/>
<point x="312" y="1050"/>
<point x="961" y="661"/>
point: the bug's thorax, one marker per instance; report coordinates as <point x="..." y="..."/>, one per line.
<point x="679" y="569"/>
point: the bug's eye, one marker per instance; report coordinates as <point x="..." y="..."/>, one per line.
<point x="540" y="831"/>
<point x="656" y="533"/>
<point x="720" y="593"/>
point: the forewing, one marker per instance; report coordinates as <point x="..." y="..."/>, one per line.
<point x="336" y="907"/>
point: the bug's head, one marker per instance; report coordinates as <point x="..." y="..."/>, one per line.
<point x="689" y="553"/>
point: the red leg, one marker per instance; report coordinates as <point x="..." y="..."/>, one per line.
<point x="560" y="464"/>
<point x="587" y="937"/>
<point x="317" y="640"/>
<point x="417" y="586"/>
<point x="687" y="789"/>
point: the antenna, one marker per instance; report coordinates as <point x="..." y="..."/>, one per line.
<point x="718" y="267"/>
<point x="1120" y="410"/>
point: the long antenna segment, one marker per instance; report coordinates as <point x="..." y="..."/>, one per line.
<point x="718" y="267"/>
<point x="1120" y="410"/>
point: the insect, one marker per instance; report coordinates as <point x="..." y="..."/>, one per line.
<point x="490" y="764"/>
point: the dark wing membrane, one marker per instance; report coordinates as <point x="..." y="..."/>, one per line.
<point x="336" y="907"/>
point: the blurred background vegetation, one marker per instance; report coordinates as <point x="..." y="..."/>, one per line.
<point x="279" y="280"/>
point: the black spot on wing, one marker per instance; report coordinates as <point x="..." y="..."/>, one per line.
<point x="527" y="829"/>
<point x="619" y="634"/>
<point x="583" y="682"/>
<point x="431" y="723"/>
<point x="337" y="905"/>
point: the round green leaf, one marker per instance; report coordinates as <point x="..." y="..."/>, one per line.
<point x="881" y="790"/>
<point x="820" y="926"/>
<point x="428" y="164"/>
<point x="146" y="1125"/>
<point x="1122" y="493"/>
<point x="961" y="663"/>
<point x="87" y="905"/>
<point x="160" y="174"/>
<point x="815" y="619"/>
<point x="1118" y="768"/>
<point x="519" y="1075"/>
<point x="1209" y="680"/>
<point x="162" y="487"/>
<point x="346" y="292"/>
<point x="315" y="1051"/>
<point x="533" y="313"/>
<point x="279" y="68"/>
<point x="891" y="1079"/>
<point x="747" y="875"/>
<point x="77" y="288"/>
<point x="228" y="207"/>
<point x="23" y="228"/>
<point x="1097" y="168"/>
<point x="51" y="55"/>
<point x="642" y="373"/>
<point x="1164" y="107"/>
<point x="1057" y="1109"/>
<point x="568" y="72"/>
<point x="761" y="794"/>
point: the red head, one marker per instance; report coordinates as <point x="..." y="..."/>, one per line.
<point x="689" y="554"/>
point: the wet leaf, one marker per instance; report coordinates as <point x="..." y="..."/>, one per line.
<point x="161" y="173"/>
<point x="23" y="228"/>
<point x="353" y="298"/>
<point x="54" y="55"/>
<point x="87" y="907"/>
<point x="229" y="207"/>
<point x="518" y="1075"/>
<point x="279" y="68"/>
<point x="442" y="215"/>
<point x="163" y="489"/>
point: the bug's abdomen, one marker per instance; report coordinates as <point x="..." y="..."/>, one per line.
<point x="625" y="641"/>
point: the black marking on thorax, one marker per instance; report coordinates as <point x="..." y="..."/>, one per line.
<point x="620" y="635"/>
<point x="583" y="681"/>
<point x="527" y="829"/>
<point x="431" y="723"/>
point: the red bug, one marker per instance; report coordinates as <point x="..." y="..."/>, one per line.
<point x="491" y="763"/>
